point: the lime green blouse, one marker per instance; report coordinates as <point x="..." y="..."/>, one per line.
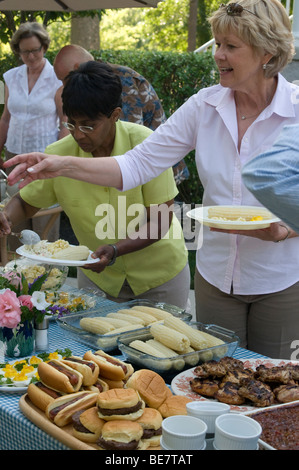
<point x="101" y="215"/>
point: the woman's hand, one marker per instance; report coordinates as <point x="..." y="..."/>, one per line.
<point x="5" y="225"/>
<point x="33" y="166"/>
<point x="274" y="233"/>
<point x="105" y="254"/>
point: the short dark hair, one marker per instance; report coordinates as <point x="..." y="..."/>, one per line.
<point x="92" y="90"/>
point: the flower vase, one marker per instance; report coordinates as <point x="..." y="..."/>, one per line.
<point x="17" y="342"/>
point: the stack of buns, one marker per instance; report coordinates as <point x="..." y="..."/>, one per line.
<point x="105" y="401"/>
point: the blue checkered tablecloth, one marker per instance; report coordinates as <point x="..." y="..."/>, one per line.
<point x="19" y="433"/>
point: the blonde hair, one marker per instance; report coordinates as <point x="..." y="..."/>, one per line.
<point x="27" y="30"/>
<point x="267" y="30"/>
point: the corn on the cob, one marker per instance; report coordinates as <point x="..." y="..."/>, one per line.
<point x="234" y="213"/>
<point x="197" y="340"/>
<point x="76" y="253"/>
<point x="139" y="314"/>
<point x="156" y="312"/>
<point x="123" y="316"/>
<point x="96" y="325"/>
<point x="117" y="323"/>
<point x="146" y="348"/>
<point x="123" y="329"/>
<point x="171" y="338"/>
<point x="162" y="348"/>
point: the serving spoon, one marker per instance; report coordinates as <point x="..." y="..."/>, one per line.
<point x="27" y="237"/>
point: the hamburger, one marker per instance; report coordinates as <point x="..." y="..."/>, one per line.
<point x="87" y="425"/>
<point x="151" y="423"/>
<point x="120" y="404"/>
<point x="150" y="386"/>
<point x="120" y="435"/>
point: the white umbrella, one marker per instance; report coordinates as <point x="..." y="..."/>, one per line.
<point x="72" y="5"/>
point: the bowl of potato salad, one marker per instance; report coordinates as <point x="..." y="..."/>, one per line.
<point x="32" y="270"/>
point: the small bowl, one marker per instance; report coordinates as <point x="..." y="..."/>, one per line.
<point x="183" y="432"/>
<point x="236" y="432"/>
<point x="207" y="411"/>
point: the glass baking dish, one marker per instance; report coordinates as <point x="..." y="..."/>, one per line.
<point x="169" y="367"/>
<point x="108" y="342"/>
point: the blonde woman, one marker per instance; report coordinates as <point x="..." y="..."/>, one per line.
<point x="245" y="280"/>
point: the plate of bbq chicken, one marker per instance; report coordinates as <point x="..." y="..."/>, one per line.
<point x="245" y="384"/>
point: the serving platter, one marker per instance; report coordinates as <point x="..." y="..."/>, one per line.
<point x="180" y="383"/>
<point x="201" y="214"/>
<point x="22" y="251"/>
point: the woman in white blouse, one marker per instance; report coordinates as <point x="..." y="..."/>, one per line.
<point x="245" y="280"/>
<point x="32" y="109"/>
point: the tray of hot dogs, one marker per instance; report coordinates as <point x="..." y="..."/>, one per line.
<point x="101" y="327"/>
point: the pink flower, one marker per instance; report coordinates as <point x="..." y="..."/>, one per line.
<point x="14" y="279"/>
<point x="10" y="311"/>
<point x="25" y="301"/>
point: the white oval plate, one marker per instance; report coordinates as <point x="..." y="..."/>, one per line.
<point x="55" y="262"/>
<point x="202" y="215"/>
<point x="180" y="383"/>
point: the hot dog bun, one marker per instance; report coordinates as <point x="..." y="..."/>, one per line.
<point x="87" y="425"/>
<point x="88" y="369"/>
<point x="56" y="379"/>
<point x="110" y="367"/>
<point x="61" y="410"/>
<point x="120" y="404"/>
<point x="41" y="395"/>
<point x="99" y="386"/>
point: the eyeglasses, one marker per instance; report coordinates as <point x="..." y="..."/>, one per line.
<point x="235" y="9"/>
<point x="84" y="129"/>
<point x="31" y="51"/>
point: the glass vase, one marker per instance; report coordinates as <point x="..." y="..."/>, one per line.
<point x="17" y="342"/>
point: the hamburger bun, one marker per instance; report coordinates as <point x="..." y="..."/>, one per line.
<point x="87" y="425"/>
<point x="151" y="422"/>
<point x="174" y="405"/>
<point x="120" y="435"/>
<point x="120" y="404"/>
<point x="150" y="386"/>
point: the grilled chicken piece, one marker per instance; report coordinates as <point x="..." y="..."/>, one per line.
<point x="210" y="369"/>
<point x="229" y="394"/>
<point x="235" y="375"/>
<point x="273" y="374"/>
<point x="294" y="369"/>
<point x="257" y="392"/>
<point x="204" y="387"/>
<point x="230" y="363"/>
<point x="287" y="393"/>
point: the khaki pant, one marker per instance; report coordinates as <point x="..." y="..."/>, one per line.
<point x="173" y="292"/>
<point x="266" y="324"/>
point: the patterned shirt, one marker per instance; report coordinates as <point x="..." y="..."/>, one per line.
<point x="141" y="104"/>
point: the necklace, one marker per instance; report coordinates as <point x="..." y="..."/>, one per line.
<point x="243" y="117"/>
<point x="248" y="117"/>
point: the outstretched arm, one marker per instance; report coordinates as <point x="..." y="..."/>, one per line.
<point x="103" y="171"/>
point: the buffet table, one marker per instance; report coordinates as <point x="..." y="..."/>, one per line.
<point x="17" y="432"/>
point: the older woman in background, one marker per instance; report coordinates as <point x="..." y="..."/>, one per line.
<point x="245" y="280"/>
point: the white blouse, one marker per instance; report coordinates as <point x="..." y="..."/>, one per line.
<point x="33" y="117"/>
<point x="207" y="123"/>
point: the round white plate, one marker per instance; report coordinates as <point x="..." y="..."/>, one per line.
<point x="202" y="215"/>
<point x="180" y="383"/>
<point x="55" y="262"/>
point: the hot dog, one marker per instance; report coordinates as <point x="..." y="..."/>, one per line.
<point x="88" y="369"/>
<point x="110" y="367"/>
<point x="59" y="376"/>
<point x="61" y="410"/>
<point x="41" y="395"/>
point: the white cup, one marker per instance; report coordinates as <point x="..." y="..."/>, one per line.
<point x="207" y="411"/>
<point x="183" y="432"/>
<point x="236" y="432"/>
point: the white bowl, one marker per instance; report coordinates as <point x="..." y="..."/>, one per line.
<point x="183" y="432"/>
<point x="163" y="446"/>
<point x="236" y="432"/>
<point x="207" y="411"/>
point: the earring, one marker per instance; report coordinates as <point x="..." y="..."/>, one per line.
<point x="264" y="66"/>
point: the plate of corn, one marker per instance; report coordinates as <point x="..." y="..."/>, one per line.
<point x="59" y="253"/>
<point x="233" y="217"/>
